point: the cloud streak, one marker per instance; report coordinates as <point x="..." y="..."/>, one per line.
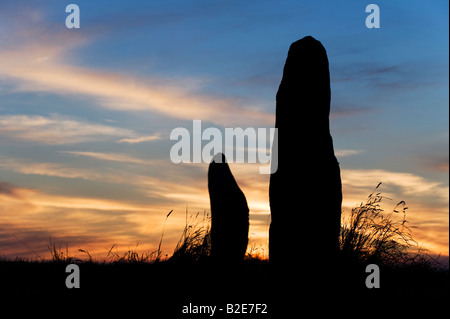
<point x="61" y="130"/>
<point x="409" y="184"/>
<point x="345" y="153"/>
<point x="40" y="67"/>
<point x="56" y="130"/>
<point x="114" y="157"/>
<point x="141" y="139"/>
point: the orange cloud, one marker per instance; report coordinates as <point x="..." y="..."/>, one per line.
<point x="29" y="218"/>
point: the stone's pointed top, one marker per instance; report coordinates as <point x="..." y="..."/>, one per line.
<point x="304" y="44"/>
<point x="306" y="81"/>
<point x="306" y="39"/>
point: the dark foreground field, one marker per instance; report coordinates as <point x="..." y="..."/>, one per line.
<point x="165" y="289"/>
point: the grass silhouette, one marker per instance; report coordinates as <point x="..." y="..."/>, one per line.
<point x="195" y="242"/>
<point x="370" y="235"/>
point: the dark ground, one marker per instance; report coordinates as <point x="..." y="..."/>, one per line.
<point x="160" y="290"/>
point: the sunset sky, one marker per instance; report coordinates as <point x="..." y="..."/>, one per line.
<point x="86" y="114"/>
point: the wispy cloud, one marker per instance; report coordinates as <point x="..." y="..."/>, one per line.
<point x="61" y="130"/>
<point x="140" y="139"/>
<point x="169" y="187"/>
<point x="56" y="129"/>
<point x="347" y="110"/>
<point x="399" y="76"/>
<point x="48" y="169"/>
<point x="409" y="184"/>
<point x="344" y="153"/>
<point x="114" y="157"/>
<point x="38" y="65"/>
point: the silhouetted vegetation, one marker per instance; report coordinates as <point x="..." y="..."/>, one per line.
<point x="195" y="242"/>
<point x="370" y="235"/>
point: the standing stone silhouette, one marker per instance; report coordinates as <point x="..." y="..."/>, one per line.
<point x="229" y="213"/>
<point x="305" y="191"/>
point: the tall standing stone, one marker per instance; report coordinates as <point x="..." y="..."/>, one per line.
<point x="305" y="191"/>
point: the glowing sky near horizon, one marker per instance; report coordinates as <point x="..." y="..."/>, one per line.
<point x="86" y="114"/>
